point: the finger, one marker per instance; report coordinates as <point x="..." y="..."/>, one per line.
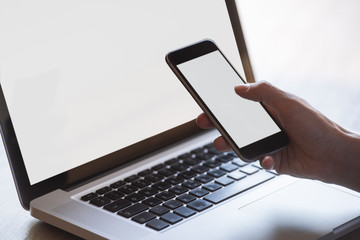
<point x="251" y="92"/>
<point x="204" y="122"/>
<point x="221" y="144"/>
<point x="267" y="163"/>
<point x="262" y="92"/>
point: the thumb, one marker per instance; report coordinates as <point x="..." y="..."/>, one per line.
<point x="261" y="92"/>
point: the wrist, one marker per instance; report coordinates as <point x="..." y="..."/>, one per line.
<point x="348" y="165"/>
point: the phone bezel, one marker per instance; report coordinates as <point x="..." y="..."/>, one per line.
<point x="250" y="152"/>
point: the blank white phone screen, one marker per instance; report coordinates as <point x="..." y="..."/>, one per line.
<point x="214" y="80"/>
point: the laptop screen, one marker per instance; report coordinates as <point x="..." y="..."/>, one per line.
<point x="84" y="79"/>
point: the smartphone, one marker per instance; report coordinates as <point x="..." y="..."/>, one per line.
<point x="210" y="79"/>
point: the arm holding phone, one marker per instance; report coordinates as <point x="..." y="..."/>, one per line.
<point x="319" y="148"/>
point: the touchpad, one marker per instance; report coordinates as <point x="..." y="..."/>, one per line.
<point x="303" y="210"/>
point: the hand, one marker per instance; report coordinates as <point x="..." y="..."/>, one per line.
<point x="318" y="149"/>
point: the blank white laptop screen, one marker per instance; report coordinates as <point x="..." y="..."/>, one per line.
<point x="83" y="79"/>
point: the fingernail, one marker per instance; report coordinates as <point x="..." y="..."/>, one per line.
<point x="242" y="87"/>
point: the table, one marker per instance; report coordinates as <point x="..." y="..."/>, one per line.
<point x="16" y="223"/>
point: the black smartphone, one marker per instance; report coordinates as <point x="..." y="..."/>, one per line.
<point x="210" y="79"/>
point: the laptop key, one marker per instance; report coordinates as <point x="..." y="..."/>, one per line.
<point x="172" y="204"/>
<point x="157" y="224"/>
<point x="179" y="166"/>
<point x="204" y="178"/>
<point x="135" y="197"/>
<point x="141" y="183"/>
<point x="239" y="187"/>
<point x="89" y="196"/>
<point x="198" y="150"/>
<point x="178" y="190"/>
<point x="148" y="191"/>
<point x="212" y="163"/>
<point x="114" y="195"/>
<point x="117" y="205"/>
<point x="216" y="173"/>
<point x="239" y="162"/>
<point x="174" y="180"/>
<point x="118" y="184"/>
<point x="172" y="161"/>
<point x="273" y="171"/>
<point x="257" y="164"/>
<point x="159" y="210"/>
<point x="152" y="202"/>
<point x="154" y="177"/>
<point x="211" y="186"/>
<point x="199" y="205"/>
<point x="192" y="161"/>
<point x="127" y="189"/>
<point x="145" y="172"/>
<point x="200" y="169"/>
<point x="225" y="158"/>
<point x="103" y="190"/>
<point x="224" y="181"/>
<point x="100" y="201"/>
<point x="186" y="198"/>
<point x="167" y="172"/>
<point x="144" y="217"/>
<point x="233" y="154"/>
<point x="237" y="175"/>
<point x="165" y="195"/>
<point x="205" y="155"/>
<point x="249" y="169"/>
<point x="213" y="150"/>
<point x="158" y="167"/>
<point x="133" y="210"/>
<point x="229" y="167"/>
<point x="185" y="155"/>
<point x="191" y="184"/>
<point x="171" y="218"/>
<point x="162" y="186"/>
<point x="184" y="212"/>
<point x="188" y="174"/>
<point x="198" y="192"/>
<point x="131" y="178"/>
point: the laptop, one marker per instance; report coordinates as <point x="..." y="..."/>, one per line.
<point x="101" y="138"/>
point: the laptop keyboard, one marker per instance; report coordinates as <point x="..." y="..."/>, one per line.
<point x="179" y="188"/>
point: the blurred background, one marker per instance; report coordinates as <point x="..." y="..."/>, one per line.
<point x="310" y="48"/>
